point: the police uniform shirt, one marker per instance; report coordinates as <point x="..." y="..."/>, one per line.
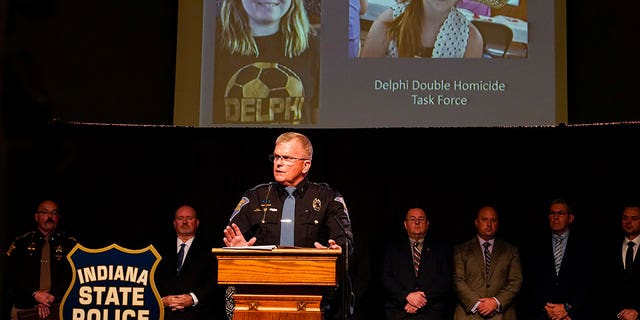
<point x="24" y="266"/>
<point x="259" y="212"/>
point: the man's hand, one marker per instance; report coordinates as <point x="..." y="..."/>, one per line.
<point x="178" y="301"/>
<point x="417" y="299"/>
<point x="556" y="311"/>
<point x="628" y="314"/>
<point x="43" y="310"/>
<point x="410" y="309"/>
<point x="44" y="300"/>
<point x="332" y="245"/>
<point x="44" y="297"/>
<point x="487" y="306"/>
<point x="234" y="238"/>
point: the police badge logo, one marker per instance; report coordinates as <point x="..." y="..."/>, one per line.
<point x="317" y="204"/>
<point x="112" y="283"/>
<point x="239" y="206"/>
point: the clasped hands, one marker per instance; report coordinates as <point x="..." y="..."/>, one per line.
<point x="233" y="238"/>
<point x="487" y="306"/>
<point x="556" y="311"/>
<point x="44" y="299"/>
<point x="178" y="301"/>
<point x="628" y="314"/>
<point x="415" y="301"/>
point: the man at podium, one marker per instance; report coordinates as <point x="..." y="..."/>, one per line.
<point x="292" y="211"/>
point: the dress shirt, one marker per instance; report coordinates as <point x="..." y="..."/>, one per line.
<point x="186" y="251"/>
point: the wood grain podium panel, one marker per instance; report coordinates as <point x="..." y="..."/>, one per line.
<point x="278" y="284"/>
<point x="277" y="307"/>
<point x="304" y="266"/>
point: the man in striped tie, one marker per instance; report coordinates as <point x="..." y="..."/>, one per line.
<point x="487" y="278"/>
<point x="557" y="269"/>
<point x="416" y="273"/>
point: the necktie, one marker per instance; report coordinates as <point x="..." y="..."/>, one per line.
<point x="180" y="257"/>
<point x="557" y="253"/>
<point x="628" y="260"/>
<point x="417" y="255"/>
<point x="487" y="256"/>
<point x="45" y="266"/>
<point x="287" y="222"/>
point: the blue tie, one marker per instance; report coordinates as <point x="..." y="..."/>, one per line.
<point x="287" y="222"/>
<point x="180" y="257"/>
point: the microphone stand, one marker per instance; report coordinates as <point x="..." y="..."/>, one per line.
<point x="347" y="311"/>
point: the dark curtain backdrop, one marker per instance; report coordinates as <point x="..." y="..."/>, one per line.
<point x="122" y="184"/>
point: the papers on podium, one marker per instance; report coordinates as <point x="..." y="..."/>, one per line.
<point x="265" y="247"/>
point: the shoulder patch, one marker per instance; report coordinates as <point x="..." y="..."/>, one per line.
<point x="11" y="248"/>
<point x="241" y="204"/>
<point x="341" y="200"/>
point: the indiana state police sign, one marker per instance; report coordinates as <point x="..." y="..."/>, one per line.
<point x="112" y="283"/>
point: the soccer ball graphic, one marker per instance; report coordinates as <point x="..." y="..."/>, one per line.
<point x="262" y="80"/>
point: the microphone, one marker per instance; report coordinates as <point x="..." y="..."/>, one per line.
<point x="348" y="298"/>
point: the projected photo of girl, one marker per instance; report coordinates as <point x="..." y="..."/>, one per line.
<point x="446" y="29"/>
<point x="423" y="28"/>
<point x="266" y="63"/>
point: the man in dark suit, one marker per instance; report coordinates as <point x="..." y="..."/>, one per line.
<point x="487" y="273"/>
<point x="417" y="284"/>
<point x="623" y="277"/>
<point x="185" y="277"/>
<point x="557" y="270"/>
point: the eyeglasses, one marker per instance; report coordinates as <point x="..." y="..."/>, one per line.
<point x="53" y="212"/>
<point x="418" y="219"/>
<point x="560" y="213"/>
<point x="285" y="159"/>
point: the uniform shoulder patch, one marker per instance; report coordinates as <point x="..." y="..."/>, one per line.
<point x="239" y="206"/>
<point x="344" y="204"/>
<point x="11" y="248"/>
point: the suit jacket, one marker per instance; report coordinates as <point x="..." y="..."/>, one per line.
<point x="197" y="276"/>
<point x="620" y="287"/>
<point x="471" y="282"/>
<point x="434" y="278"/>
<point x="572" y="285"/>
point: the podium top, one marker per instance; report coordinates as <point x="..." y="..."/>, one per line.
<point x="279" y="266"/>
<point x="276" y="250"/>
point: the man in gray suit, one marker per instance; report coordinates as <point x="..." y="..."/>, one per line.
<point x="487" y="273"/>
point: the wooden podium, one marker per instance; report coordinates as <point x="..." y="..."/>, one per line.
<point x="282" y="283"/>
